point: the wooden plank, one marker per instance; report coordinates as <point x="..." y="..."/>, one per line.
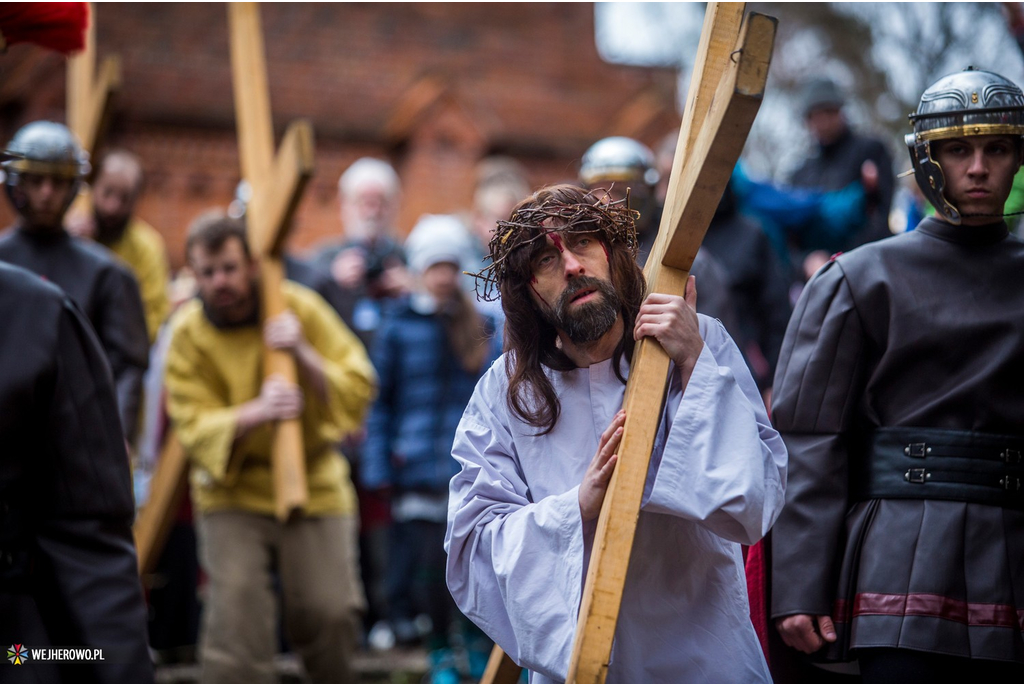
<point x="166" y="492"/>
<point x="267" y="229"/>
<point x="276" y="202"/>
<point x="722" y="21"/>
<point x="90" y="96"/>
<point x="715" y="153"/>
<point x="501" y="668"/>
<point x="252" y="95"/>
<point x="687" y="214"/>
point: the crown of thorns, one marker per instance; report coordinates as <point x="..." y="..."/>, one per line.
<point x="616" y="220"/>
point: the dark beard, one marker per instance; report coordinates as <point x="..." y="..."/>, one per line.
<point x="108" y="232"/>
<point x="247" y="315"/>
<point x="587" y="322"/>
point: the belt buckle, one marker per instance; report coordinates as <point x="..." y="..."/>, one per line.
<point x="917" y="449"/>
<point x="1011" y="456"/>
<point x="915" y="476"/>
<point x="1010" y="483"/>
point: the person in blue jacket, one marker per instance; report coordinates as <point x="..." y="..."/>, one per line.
<point x="430" y="350"/>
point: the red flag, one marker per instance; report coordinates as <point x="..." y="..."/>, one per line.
<point x="58" y="26"/>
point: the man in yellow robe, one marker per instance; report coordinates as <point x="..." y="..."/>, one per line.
<point x="115" y="193"/>
<point x="224" y="411"/>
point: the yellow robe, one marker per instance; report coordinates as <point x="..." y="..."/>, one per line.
<point x="211" y="371"/>
<point x="142" y="248"/>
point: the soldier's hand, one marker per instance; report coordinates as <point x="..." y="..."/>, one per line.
<point x="672" y="320"/>
<point x="805" y="632"/>
<point x="280" y="399"/>
<point x="283" y="332"/>
<point x="595" y="480"/>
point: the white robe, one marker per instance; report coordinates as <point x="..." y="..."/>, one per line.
<point x="518" y="550"/>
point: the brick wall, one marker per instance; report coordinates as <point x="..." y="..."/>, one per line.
<point x="431" y="87"/>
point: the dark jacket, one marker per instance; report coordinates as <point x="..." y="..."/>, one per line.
<point x="68" y="572"/>
<point x="423" y="394"/>
<point x="756" y="286"/>
<point x="834" y="167"/>
<point x="108" y="294"/>
<point x="922" y="331"/>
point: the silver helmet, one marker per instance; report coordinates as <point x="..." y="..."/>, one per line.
<point x="618" y="159"/>
<point x="45" y="148"/>
<point x="969" y="103"/>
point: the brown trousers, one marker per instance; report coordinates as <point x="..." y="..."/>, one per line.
<point x="316" y="560"/>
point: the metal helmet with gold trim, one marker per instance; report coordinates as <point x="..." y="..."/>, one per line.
<point x="45" y="148"/>
<point x="618" y="160"/>
<point x="972" y="102"/>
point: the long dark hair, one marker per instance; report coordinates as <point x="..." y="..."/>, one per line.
<point x="530" y="341"/>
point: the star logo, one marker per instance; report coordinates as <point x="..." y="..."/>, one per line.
<point x="17" y="654"/>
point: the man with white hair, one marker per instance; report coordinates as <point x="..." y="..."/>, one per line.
<point x="366" y="263"/>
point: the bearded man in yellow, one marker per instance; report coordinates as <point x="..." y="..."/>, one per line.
<point x="116" y="190"/>
<point x="223" y="411"/>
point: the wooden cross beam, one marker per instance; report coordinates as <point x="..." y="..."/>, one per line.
<point x="277" y="185"/>
<point x="166" y="491"/>
<point x="725" y="93"/>
<point x="89" y="103"/>
<point x="90" y="94"/>
<point x="722" y="110"/>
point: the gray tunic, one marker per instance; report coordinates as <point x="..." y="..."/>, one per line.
<point x="922" y="330"/>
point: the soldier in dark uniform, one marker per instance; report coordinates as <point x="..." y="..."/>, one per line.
<point x="899" y="396"/>
<point x="41" y="185"/>
<point x="68" y="574"/>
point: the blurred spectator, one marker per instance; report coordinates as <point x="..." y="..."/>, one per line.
<point x="298" y="270"/>
<point x="366" y="263"/>
<point x="757" y="287"/>
<point x="368" y="267"/>
<point x="116" y="189"/>
<point x="500" y="185"/>
<point x="839" y="160"/>
<point x="618" y="164"/>
<point x="431" y="348"/>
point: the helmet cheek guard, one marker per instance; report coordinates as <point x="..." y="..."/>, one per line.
<point x="930" y="178"/>
<point x="969" y="103"/>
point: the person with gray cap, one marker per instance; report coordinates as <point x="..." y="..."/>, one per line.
<point x="41" y="185"/>
<point x="431" y="348"/>
<point x="841" y="156"/>
<point x="898" y="397"/>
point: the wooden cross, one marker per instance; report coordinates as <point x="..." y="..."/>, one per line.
<point x="90" y="94"/>
<point x="277" y="185"/>
<point x="725" y="94"/>
<point x="89" y="104"/>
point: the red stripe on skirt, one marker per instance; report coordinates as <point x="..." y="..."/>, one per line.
<point x="924" y="604"/>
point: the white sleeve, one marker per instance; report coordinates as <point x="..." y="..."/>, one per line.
<point x="514" y="566"/>
<point x="722" y="464"/>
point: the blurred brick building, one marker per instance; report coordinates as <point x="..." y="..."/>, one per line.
<point x="433" y="88"/>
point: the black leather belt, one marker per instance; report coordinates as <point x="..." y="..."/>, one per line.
<point x="932" y="463"/>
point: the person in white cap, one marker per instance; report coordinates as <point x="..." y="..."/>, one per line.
<point x="429" y="351"/>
